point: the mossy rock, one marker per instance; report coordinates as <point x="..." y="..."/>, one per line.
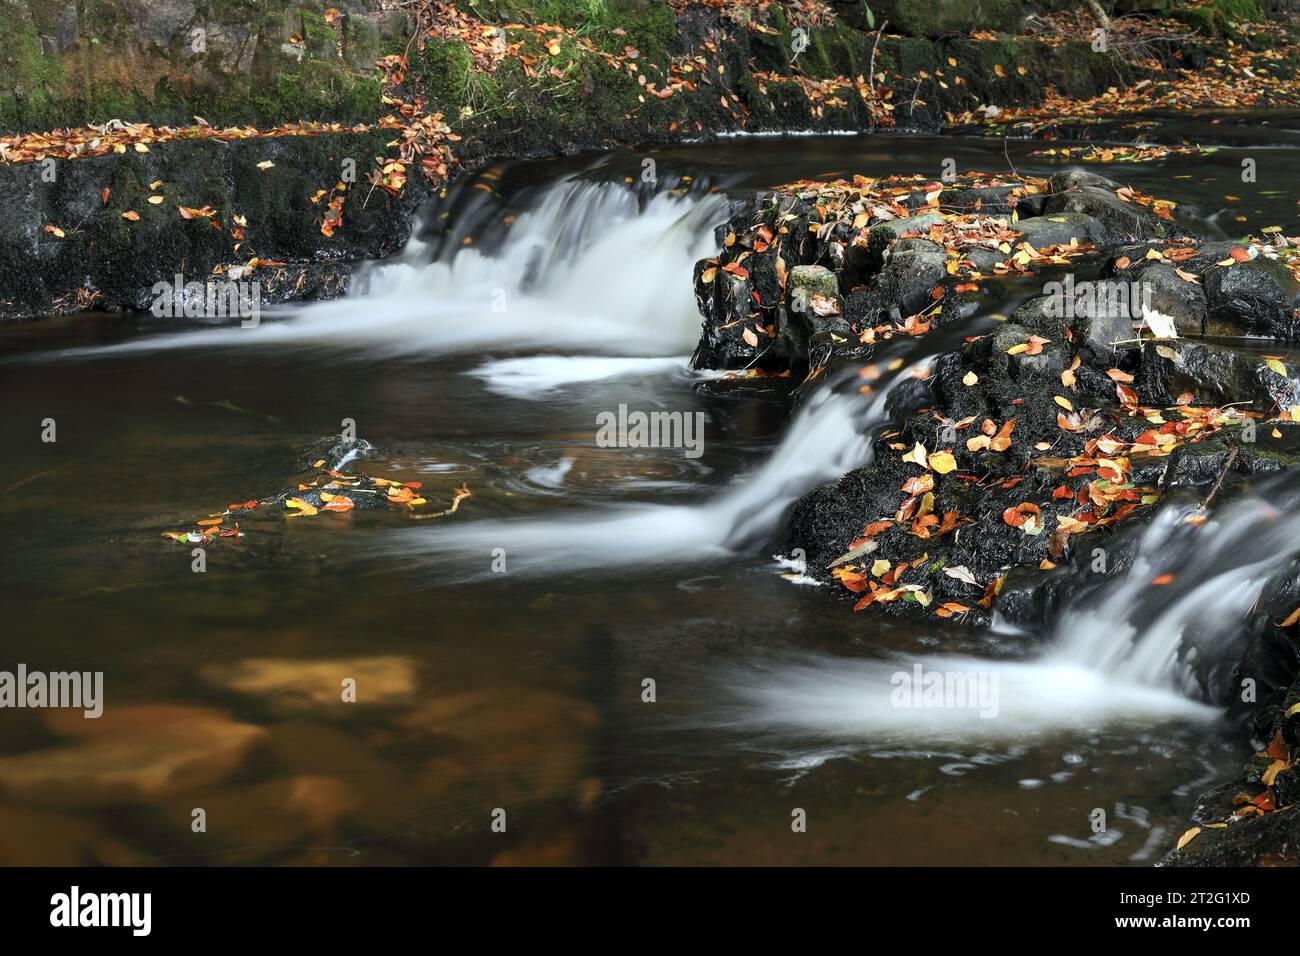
<point x="937" y="18"/>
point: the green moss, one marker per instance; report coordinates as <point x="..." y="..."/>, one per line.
<point x="834" y="51"/>
<point x="34" y="81"/>
<point x="938" y="18"/>
<point x="1218" y="17"/>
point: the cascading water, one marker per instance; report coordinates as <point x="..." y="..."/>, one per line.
<point x="1120" y="651"/>
<point x="587" y="267"/>
<point x="831" y="434"/>
<point x="1135" y="631"/>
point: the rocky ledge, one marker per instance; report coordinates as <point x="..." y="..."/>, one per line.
<point x="1118" y="384"/>
<point x="98" y="232"/>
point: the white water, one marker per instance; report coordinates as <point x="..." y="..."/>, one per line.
<point x="829" y="436"/>
<point x="534" y="377"/>
<point x="585" y="269"/>
<point x="1113" y="660"/>
<point x="832" y="698"/>
<point x="1219" y="572"/>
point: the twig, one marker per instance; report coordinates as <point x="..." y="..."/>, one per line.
<point x="1227" y="464"/>
<point x="462" y="493"/>
<point x="871" y="67"/>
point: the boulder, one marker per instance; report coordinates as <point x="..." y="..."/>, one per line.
<point x="1258" y="297"/>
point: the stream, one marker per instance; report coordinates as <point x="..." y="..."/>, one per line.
<point x="536" y="296"/>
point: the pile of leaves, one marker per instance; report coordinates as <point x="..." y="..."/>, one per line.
<point x="1240" y="77"/>
<point x="116" y="136"/>
<point x="845" y="211"/>
<point x="330" y="491"/>
<point x="1121" y="154"/>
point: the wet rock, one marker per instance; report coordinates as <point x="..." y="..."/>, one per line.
<point x="107" y="262"/>
<point x="1112" y="219"/>
<point x="1171" y="295"/>
<point x="333" y="451"/>
<point x="880" y="237"/>
<point x="1057" y="230"/>
<point x="1271" y="839"/>
<point x="986" y="200"/>
<point x="1258" y="297"/>
<point x="1214" y="374"/>
<point x="901" y="289"/>
<point x="1077" y="178"/>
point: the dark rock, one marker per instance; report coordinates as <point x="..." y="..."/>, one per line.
<point x="1171" y="295"/>
<point x="1057" y="230"/>
<point x="1258" y="297"/>
<point x="112" y="263"/>
<point x="1113" y="220"/>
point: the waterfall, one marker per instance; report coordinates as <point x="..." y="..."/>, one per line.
<point x="830" y="434"/>
<point x="1134" y="631"/>
<point x="585" y="266"/>
<point x="1121" y="650"/>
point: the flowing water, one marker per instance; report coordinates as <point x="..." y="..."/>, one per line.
<point x="500" y="655"/>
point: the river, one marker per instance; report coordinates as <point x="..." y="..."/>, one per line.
<point x="501" y="654"/>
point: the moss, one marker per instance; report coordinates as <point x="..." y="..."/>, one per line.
<point x="936" y="18"/>
<point x="34" y="81"/>
<point x="1218" y="17"/>
<point x="833" y="51"/>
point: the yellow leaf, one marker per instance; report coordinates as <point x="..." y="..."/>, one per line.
<point x="265" y="164"/>
<point x="880" y="566"/>
<point x="1269" y="775"/>
<point x="156" y="200"/>
<point x="132" y="215"/>
<point x="942" y="462"/>
<point x="1063" y="402"/>
<point x="1187" y="837"/>
<point x="304" y="508"/>
<point x="141" y="148"/>
<point x="969" y="379"/>
<point x="1276" y="365"/>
